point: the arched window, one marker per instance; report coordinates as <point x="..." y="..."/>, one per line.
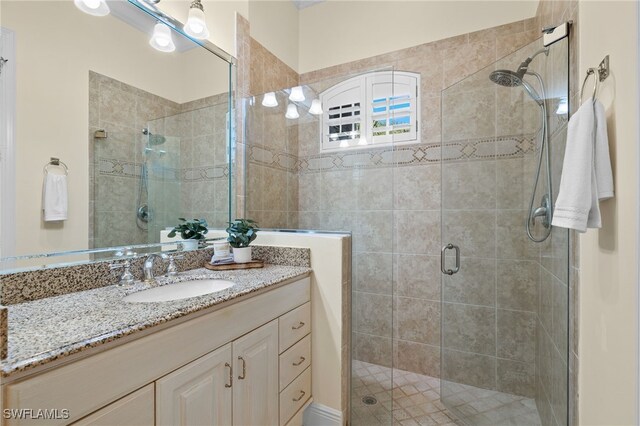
<point x="377" y="108"/>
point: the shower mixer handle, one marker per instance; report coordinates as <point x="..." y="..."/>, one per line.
<point x="443" y="255"/>
<point x="543" y="211"/>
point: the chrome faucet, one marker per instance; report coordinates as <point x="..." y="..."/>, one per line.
<point x="148" y="266"/>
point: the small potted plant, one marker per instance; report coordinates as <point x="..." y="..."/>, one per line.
<point x="241" y="233"/>
<point x="192" y="231"/>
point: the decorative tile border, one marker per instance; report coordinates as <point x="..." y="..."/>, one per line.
<point x="396" y="156"/>
<point x="130" y="169"/>
<point x="411" y="155"/>
<point x="268" y="157"/>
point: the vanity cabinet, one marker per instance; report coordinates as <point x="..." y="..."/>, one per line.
<point x="255" y="391"/>
<point x="198" y="393"/>
<point x="246" y="363"/>
<point x="135" y="409"/>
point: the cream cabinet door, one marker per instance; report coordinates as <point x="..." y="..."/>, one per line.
<point x="135" y="409"/>
<point x="198" y="393"/>
<point x="255" y="388"/>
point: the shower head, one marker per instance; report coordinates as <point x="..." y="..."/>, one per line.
<point x="156" y="139"/>
<point x="506" y="78"/>
<point x="153" y="139"/>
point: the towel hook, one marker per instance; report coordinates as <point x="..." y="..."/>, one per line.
<point x="55" y="162"/>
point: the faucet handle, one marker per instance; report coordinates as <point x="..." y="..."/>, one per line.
<point x="127" y="277"/>
<point x="172" y="269"/>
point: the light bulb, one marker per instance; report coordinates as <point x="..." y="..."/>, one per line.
<point x="92" y="4"/>
<point x="362" y="141"/>
<point x="344" y="143"/>
<point x="93" y="7"/>
<point x="297" y="95"/>
<point x="269" y="100"/>
<point x="316" y="107"/>
<point x="196" y="25"/>
<point x="292" y="111"/>
<point x="161" y="39"/>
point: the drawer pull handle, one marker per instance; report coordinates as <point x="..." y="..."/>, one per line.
<point x="226" y="364"/>
<point x="299" y="326"/>
<point x="302" y="359"/>
<point x="302" y="394"/>
<point x="244" y="368"/>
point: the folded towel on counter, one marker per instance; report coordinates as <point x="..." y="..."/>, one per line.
<point x="586" y="172"/>
<point x="54" y="197"/>
<point x="221" y="260"/>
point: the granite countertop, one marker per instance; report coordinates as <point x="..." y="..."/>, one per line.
<point x="48" y="329"/>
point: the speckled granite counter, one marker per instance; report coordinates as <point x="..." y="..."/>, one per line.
<point x="48" y="329"/>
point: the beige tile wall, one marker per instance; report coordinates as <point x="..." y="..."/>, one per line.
<point x="503" y="313"/>
<point x="122" y="110"/>
<point x="190" y="179"/>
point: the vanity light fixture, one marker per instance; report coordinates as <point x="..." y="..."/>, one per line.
<point x="196" y="25"/>
<point x="161" y="39"/>
<point x="292" y="112"/>
<point x="269" y="100"/>
<point x="316" y="107"/>
<point x="363" y="140"/>
<point x="93" y="7"/>
<point x="297" y="95"/>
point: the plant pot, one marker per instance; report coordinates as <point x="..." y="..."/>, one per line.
<point x="189" y="245"/>
<point x="242" y="255"/>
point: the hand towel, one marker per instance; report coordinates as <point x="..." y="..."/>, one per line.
<point x="586" y="172"/>
<point x="54" y="197"/>
<point x="602" y="167"/>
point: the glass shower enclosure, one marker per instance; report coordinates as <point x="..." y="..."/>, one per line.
<point x="488" y="344"/>
<point x="504" y="351"/>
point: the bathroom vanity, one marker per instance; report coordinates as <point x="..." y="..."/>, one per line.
<point x="238" y="357"/>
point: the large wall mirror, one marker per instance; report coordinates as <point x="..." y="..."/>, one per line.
<point x="142" y="135"/>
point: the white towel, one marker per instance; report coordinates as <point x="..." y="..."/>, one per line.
<point x="54" y="197"/>
<point x="586" y="171"/>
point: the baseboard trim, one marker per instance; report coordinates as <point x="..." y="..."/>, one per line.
<point x="321" y="415"/>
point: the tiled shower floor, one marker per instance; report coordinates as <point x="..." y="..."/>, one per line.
<point x="414" y="399"/>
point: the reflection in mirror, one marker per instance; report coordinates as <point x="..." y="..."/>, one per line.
<point x="144" y="133"/>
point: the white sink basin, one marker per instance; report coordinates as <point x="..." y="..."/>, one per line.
<point x="183" y="290"/>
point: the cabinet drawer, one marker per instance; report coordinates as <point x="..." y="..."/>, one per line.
<point x="294" y="396"/>
<point x="135" y="409"/>
<point x="294" y="361"/>
<point x="294" y="326"/>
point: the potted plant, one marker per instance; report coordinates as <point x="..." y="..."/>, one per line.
<point x="241" y="233"/>
<point x="192" y="231"/>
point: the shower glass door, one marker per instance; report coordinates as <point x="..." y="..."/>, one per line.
<point x="504" y="339"/>
<point x="159" y="187"/>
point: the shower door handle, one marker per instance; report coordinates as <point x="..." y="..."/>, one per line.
<point x="443" y="255"/>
